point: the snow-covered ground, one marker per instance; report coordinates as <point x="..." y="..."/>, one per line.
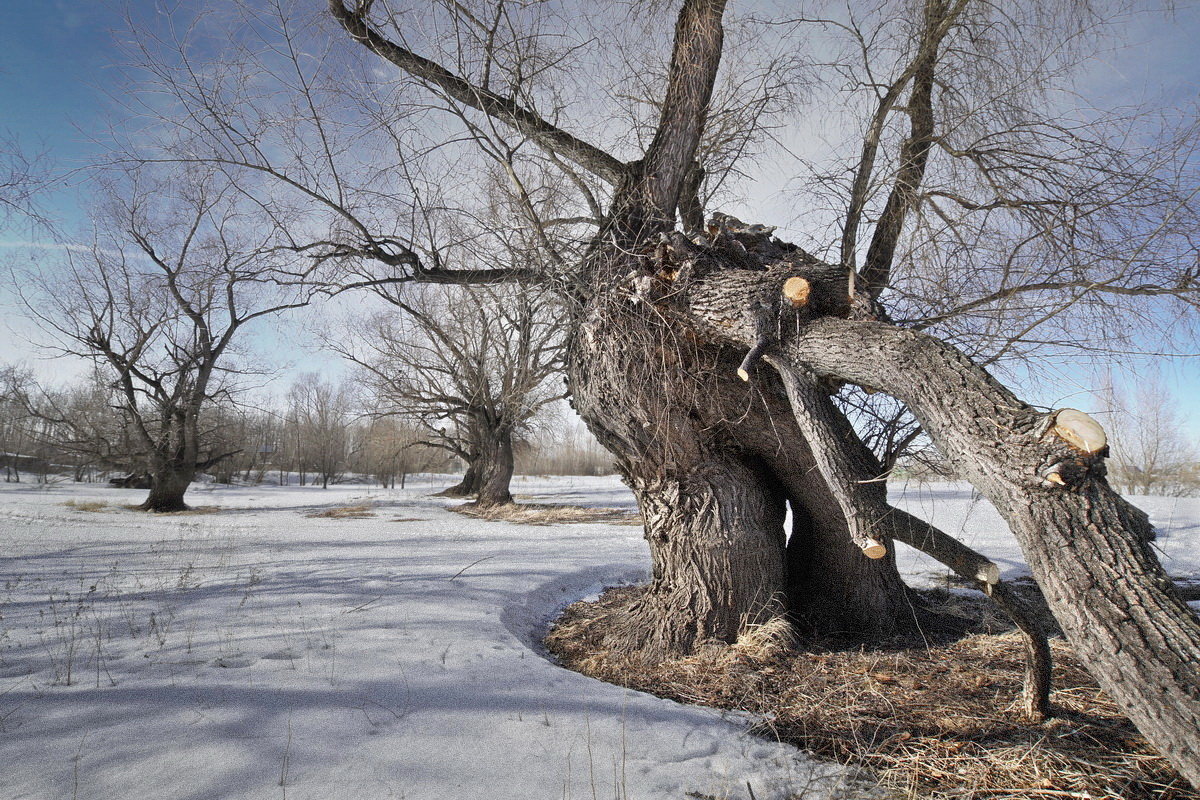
<point x="260" y="652"/>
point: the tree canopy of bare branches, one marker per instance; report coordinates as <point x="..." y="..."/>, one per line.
<point x="159" y="303"/>
<point x="964" y="205"/>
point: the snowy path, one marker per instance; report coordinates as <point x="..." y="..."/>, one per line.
<point x="261" y="653"/>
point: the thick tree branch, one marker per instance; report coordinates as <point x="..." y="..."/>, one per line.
<point x="526" y="121"/>
<point x="694" y="61"/>
<point x="939" y="17"/>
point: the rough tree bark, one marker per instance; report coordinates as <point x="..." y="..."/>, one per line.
<point x="1086" y="546"/>
<point x="490" y="464"/>
<point x="169" y="483"/>
<point x="495" y="468"/>
<point x="654" y="363"/>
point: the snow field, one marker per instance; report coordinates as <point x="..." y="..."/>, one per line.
<point x="258" y="652"/>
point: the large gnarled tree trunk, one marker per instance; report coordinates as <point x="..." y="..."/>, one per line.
<point x="495" y="467"/>
<point x="714" y="463"/>
<point x="1087" y="547"/>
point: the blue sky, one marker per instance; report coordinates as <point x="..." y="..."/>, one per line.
<point x="57" y="62"/>
<point x="58" y="70"/>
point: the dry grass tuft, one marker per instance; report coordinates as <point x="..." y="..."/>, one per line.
<point x="933" y="722"/>
<point x="772" y="639"/>
<point x="194" y="511"/>
<point x="343" y="512"/>
<point x="87" y="505"/>
<point x="548" y="514"/>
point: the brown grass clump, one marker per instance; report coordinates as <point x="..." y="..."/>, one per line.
<point x="933" y="722"/>
<point x="548" y="514"/>
<point x="87" y="505"/>
<point x="343" y="512"/>
<point x="193" y="511"/>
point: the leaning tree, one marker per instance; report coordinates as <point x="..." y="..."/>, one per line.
<point x="977" y="214"/>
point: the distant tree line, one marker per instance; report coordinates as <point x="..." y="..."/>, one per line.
<point x="320" y="432"/>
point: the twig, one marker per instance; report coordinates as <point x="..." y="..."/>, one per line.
<point x="468" y="566"/>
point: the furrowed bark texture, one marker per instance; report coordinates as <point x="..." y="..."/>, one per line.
<point x="714" y="527"/>
<point x="495" y="472"/>
<point x="832" y="589"/>
<point x="714" y="463"/>
<point x="1086" y="546"/>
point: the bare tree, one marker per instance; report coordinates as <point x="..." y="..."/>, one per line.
<point x="474" y="368"/>
<point x="158" y="304"/>
<point x="322" y="414"/>
<point x="976" y="203"/>
<point x="1151" y="450"/>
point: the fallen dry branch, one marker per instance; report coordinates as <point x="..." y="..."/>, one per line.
<point x="934" y="722"/>
<point x="343" y="512"/>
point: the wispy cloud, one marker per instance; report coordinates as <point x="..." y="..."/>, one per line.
<point x="68" y="247"/>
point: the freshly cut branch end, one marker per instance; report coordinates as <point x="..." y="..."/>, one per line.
<point x="743" y="374"/>
<point x="1055" y="479"/>
<point x="988" y="573"/>
<point x="797" y="290"/>
<point x="873" y="548"/>
<point x="1080" y="431"/>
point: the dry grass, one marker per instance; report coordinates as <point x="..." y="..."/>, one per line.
<point x="933" y="722"/>
<point x="190" y="511"/>
<point x="87" y="505"/>
<point x="549" y="514"/>
<point x="194" y="511"/>
<point x="343" y="512"/>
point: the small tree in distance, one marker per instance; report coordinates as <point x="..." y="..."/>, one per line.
<point x="1151" y="451"/>
<point x="472" y="368"/>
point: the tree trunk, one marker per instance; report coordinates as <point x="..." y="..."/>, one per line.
<point x="831" y="588"/>
<point x="1086" y="546"/>
<point x="169" y="483"/>
<point x="471" y="481"/>
<point x="714" y="465"/>
<point x="496" y="469"/>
